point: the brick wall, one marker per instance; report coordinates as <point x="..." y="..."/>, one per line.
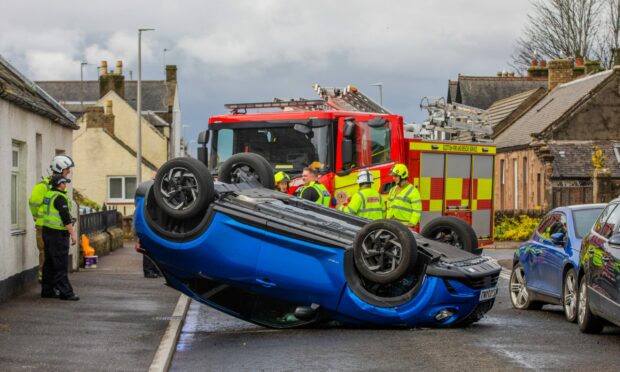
<point x="560" y="71"/>
<point x="529" y="187"/>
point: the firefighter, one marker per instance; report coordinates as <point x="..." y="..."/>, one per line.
<point x="57" y="229"/>
<point x="61" y="165"/>
<point x="366" y="202"/>
<point x="281" y="180"/>
<point x="312" y="189"/>
<point x="404" y="203"/>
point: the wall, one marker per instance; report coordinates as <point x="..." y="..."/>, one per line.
<point x="18" y="252"/>
<point x="100" y="157"/>
<point x="534" y="197"/>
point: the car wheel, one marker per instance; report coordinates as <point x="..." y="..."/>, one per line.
<point x="519" y="295"/>
<point x="384" y="251"/>
<point x="453" y="231"/>
<point x="588" y="322"/>
<point x="569" y="295"/>
<point x="183" y="187"/>
<point x="247" y="167"/>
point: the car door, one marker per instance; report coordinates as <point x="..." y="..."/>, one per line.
<point x="553" y="257"/>
<point x="532" y="265"/>
<point x="607" y="283"/>
<point x="599" y="262"/>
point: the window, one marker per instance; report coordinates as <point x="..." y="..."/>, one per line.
<point x="525" y="180"/>
<point x="380" y="140"/>
<point x="584" y="218"/>
<point x="610" y="224"/>
<point x="552" y="224"/>
<point x="515" y="181"/>
<point x="539" y="190"/>
<point x="502" y="178"/>
<point x="600" y="222"/>
<point x="121" y="188"/>
<point x="17" y="191"/>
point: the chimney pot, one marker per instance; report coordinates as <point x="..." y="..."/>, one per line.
<point x="499" y="74"/>
<point x="119" y="67"/>
<point x="104" y="68"/>
<point x="534" y="62"/>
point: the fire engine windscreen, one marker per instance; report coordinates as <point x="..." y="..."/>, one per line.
<point x="287" y="146"/>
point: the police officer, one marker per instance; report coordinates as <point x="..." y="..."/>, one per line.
<point x="312" y="189"/>
<point x="281" y="180"/>
<point x="404" y="203"/>
<point x="57" y="229"/>
<point x="61" y="165"/>
<point x="366" y="202"/>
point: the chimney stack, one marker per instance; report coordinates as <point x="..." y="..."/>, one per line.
<point x="560" y="72"/>
<point x="171" y="83"/>
<point x="119" y="68"/>
<point x="112" y="81"/>
<point x="103" y="71"/>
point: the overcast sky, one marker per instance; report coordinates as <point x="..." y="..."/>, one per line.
<point x="254" y="50"/>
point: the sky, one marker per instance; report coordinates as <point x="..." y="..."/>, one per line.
<point x="255" y="50"/>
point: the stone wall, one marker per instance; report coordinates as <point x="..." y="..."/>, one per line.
<point x="529" y="191"/>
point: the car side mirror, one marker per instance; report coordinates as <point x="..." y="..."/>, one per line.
<point x="203" y="151"/>
<point x="348" y="134"/>
<point x="614" y="240"/>
<point x="557" y="238"/>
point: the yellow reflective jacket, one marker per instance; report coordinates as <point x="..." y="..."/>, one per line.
<point x="325" y="197"/>
<point x="406" y="206"/>
<point x="51" y="215"/>
<point x="366" y="203"/>
<point x="36" y="199"/>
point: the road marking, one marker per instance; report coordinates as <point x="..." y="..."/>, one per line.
<point x="505" y="274"/>
<point x="165" y="351"/>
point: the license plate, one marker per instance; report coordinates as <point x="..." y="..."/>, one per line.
<point x="487" y="294"/>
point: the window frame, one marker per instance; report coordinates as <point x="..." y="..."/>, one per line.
<point x="124" y="199"/>
<point x="15" y="193"/>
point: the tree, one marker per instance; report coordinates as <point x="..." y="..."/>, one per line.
<point x="559" y="29"/>
<point x="609" y="38"/>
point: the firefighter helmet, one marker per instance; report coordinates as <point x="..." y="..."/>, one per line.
<point x="400" y="170"/>
<point x="364" y="176"/>
<point x="60" y="163"/>
<point x="281" y="177"/>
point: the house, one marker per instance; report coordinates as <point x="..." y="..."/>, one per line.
<point x="105" y="146"/>
<point x="544" y="153"/>
<point x="35" y="128"/>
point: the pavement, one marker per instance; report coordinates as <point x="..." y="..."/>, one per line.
<point x="120" y="322"/>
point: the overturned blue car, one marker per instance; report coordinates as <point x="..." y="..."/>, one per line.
<point x="278" y="261"/>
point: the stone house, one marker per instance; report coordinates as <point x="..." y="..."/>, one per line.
<point x="105" y="146"/>
<point x="35" y="128"/>
<point x="544" y="155"/>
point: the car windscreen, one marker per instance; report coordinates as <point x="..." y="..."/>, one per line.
<point x="584" y="219"/>
<point x="286" y="146"/>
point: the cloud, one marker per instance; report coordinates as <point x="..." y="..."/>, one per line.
<point x="52" y="65"/>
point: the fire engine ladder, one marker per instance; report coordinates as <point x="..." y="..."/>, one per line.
<point x="348" y="99"/>
<point x="455" y="117"/>
<point x="284" y="104"/>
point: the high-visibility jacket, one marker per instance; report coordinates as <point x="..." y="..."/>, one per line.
<point x="366" y="203"/>
<point x="51" y="215"/>
<point x="406" y="206"/>
<point x="36" y="198"/>
<point x="325" y="197"/>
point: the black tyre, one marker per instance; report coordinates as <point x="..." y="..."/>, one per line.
<point x="384" y="251"/>
<point x="588" y="322"/>
<point x="569" y="295"/>
<point x="247" y="167"/>
<point x="183" y="187"/>
<point x="453" y="231"/>
<point x="520" y="297"/>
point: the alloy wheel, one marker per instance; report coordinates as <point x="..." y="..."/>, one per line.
<point x="570" y="296"/>
<point x="381" y="251"/>
<point x="518" y="291"/>
<point x="179" y="188"/>
<point x="582" y="302"/>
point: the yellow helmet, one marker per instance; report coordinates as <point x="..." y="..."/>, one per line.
<point x="400" y="170"/>
<point x="281" y="177"/>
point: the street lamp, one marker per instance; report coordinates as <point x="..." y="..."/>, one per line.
<point x="164" y="55"/>
<point x="380" y="85"/>
<point x="139" y="105"/>
<point x="82" y="64"/>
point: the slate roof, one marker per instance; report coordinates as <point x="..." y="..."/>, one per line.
<point x="549" y="109"/>
<point x="570" y="162"/>
<point x="18" y="89"/>
<point x="452" y="88"/>
<point x="505" y="111"/>
<point x="69" y="93"/>
<point x="482" y="91"/>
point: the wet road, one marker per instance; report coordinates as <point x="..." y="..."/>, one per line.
<point x="505" y="339"/>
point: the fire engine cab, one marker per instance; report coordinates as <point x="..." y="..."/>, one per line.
<point x="454" y="178"/>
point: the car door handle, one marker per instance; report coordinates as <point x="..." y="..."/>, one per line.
<point x="265" y="282"/>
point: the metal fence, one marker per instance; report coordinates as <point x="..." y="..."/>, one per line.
<point x="99" y="221"/>
<point x="569" y="195"/>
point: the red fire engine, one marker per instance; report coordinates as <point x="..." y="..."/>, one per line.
<point x="454" y="178"/>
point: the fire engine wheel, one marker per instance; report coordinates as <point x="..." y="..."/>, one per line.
<point x="183" y="187"/>
<point x="384" y="251"/>
<point x="453" y="231"/>
<point x="247" y="167"/>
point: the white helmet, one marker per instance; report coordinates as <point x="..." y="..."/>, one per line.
<point x="60" y="163"/>
<point x="364" y="176"/>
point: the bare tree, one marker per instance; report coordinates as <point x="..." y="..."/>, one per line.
<point x="609" y="37"/>
<point x="558" y="29"/>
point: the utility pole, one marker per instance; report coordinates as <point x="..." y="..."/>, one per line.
<point x="82" y="64"/>
<point x="139" y="106"/>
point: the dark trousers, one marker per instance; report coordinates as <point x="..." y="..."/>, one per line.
<point x="55" y="267"/>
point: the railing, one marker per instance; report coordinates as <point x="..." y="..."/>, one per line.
<point x="99" y="221"/>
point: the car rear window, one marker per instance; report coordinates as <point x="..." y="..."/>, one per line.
<point x="584" y="219"/>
